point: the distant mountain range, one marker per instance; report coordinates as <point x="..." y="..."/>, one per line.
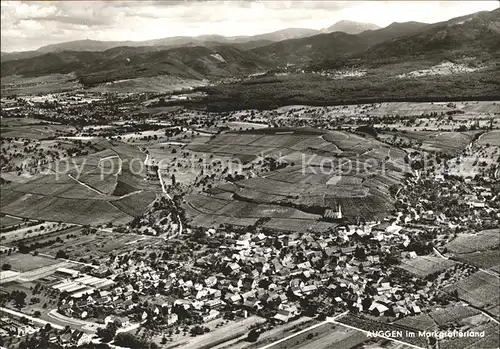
<point x="213" y="57"/>
<point x="243" y="42"/>
<point x="180" y="41"/>
<point x="334" y="45"/>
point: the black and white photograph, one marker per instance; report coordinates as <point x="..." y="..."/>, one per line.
<point x="250" y="174"/>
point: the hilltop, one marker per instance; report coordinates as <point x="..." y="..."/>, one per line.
<point x="474" y="34"/>
<point x="351" y="27"/>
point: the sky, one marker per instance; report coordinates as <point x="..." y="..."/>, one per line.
<point x="28" y="25"/>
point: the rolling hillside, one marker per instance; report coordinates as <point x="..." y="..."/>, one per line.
<point x="475" y="36"/>
<point x="332" y="46"/>
<point x="125" y="63"/>
<point x="314" y="48"/>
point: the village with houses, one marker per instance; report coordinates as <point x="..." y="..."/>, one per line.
<point x="178" y="280"/>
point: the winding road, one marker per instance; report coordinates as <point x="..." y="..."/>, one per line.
<point x="171" y="200"/>
<point x="34" y="319"/>
<point x="164" y="190"/>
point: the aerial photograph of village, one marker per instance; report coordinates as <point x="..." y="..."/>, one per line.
<point x="250" y="174"/>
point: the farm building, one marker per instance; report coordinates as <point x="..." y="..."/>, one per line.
<point x="83" y="285"/>
<point x="67" y="272"/>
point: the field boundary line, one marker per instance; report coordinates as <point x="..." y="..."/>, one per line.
<point x="102" y="197"/>
<point x="121" y="161"/>
<point x="86" y="185"/>
<point x="129" y="194"/>
<point x="295" y="334"/>
<point x="334" y="321"/>
<point x="486" y="271"/>
<point x="69" y="260"/>
<point x="119" y="209"/>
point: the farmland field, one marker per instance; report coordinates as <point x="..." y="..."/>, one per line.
<point x="491" y="138"/>
<point x="7" y="221"/>
<point x="477" y="160"/>
<point x="423" y="266"/>
<point x="26" y="262"/>
<point x="403" y="109"/>
<point x="206" y="211"/>
<point x="481" y="259"/>
<point x="422" y="322"/>
<point x="449" y="142"/>
<point x="33" y="232"/>
<point x="321" y="175"/>
<point x="135" y="204"/>
<point x="12" y="122"/>
<point x="83" y="192"/>
<point x="245" y="209"/>
<point x="480" y="241"/>
<point x="490" y="341"/>
<point x="286" y="224"/>
<point x="123" y="188"/>
<point x="480" y="289"/>
<point x="44" y="84"/>
<point x="452" y="314"/>
<point x="161" y="83"/>
<point x="84" y="247"/>
<point x="217" y="336"/>
<point x="72" y="210"/>
<point x="210" y="221"/>
<point x="323" y="337"/>
<point x="36" y="132"/>
<point x="365" y="324"/>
